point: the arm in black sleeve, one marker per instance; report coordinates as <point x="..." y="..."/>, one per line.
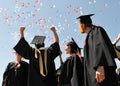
<point x="23" y="48"/>
<point x="54" y="50"/>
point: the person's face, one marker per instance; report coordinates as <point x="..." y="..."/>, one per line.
<point x="67" y="49"/>
<point x="18" y="57"/>
<point x="81" y="27"/>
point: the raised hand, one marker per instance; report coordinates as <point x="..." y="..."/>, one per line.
<point x="56" y="38"/>
<point x="22" y="29"/>
<point x="53" y="28"/>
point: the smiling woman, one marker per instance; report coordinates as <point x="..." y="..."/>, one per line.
<point x="38" y="15"/>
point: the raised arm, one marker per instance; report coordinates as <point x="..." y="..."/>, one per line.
<point x="56" y="38"/>
<point x="116" y="40"/>
<point x="22" y="47"/>
<point x="22" y="32"/>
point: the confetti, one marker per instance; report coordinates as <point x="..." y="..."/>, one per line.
<point x="105" y="5"/>
<point x="39" y="15"/>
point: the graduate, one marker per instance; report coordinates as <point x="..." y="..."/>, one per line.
<point x="99" y="54"/>
<point x="16" y="73"/>
<point x="42" y="67"/>
<point x="71" y="71"/>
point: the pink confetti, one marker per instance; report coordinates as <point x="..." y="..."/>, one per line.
<point x="33" y="15"/>
<point x="69" y="6"/>
<point x="36" y="1"/>
<point x="76" y="10"/>
<point x="23" y="5"/>
<point x="64" y="42"/>
<point x="28" y="3"/>
<point x="68" y="12"/>
<point x="105" y="5"/>
<point x="13" y="51"/>
<point x="101" y="10"/>
<point x="67" y="25"/>
<point x="23" y="12"/>
<point x="18" y="15"/>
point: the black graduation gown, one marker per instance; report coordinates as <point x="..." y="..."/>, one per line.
<point x="16" y="78"/>
<point x="35" y="78"/>
<point x="72" y="72"/>
<point x="99" y="51"/>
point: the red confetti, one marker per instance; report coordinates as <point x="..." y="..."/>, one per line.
<point x="68" y="12"/>
<point x="36" y="1"/>
<point x="101" y="10"/>
<point x="23" y="5"/>
<point x="23" y="12"/>
<point x="76" y="10"/>
<point x="33" y="15"/>
<point x="105" y="5"/>
<point x="28" y="3"/>
<point x="69" y="6"/>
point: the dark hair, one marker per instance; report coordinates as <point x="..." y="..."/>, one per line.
<point x="87" y="22"/>
<point x="39" y="45"/>
<point x="73" y="46"/>
<point x="88" y="25"/>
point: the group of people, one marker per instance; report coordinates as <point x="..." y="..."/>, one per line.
<point x="95" y="69"/>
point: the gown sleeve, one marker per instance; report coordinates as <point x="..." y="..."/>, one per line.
<point x="54" y="50"/>
<point x="104" y="53"/>
<point x="23" y="48"/>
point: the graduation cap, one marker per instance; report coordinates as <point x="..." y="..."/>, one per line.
<point x="38" y="40"/>
<point x="78" y="49"/>
<point x="74" y="46"/>
<point x="76" y="43"/>
<point x="85" y="19"/>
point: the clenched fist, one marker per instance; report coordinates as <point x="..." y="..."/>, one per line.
<point x="53" y="28"/>
<point x="22" y="29"/>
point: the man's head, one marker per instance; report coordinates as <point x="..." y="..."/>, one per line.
<point x="18" y="57"/>
<point x="84" y="21"/>
<point x="38" y="41"/>
<point x="39" y="45"/>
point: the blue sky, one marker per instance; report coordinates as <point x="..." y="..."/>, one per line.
<point x="39" y="15"/>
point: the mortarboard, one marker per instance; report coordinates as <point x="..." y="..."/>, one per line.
<point x="73" y="45"/>
<point x="85" y="19"/>
<point x="38" y="40"/>
<point x="76" y="43"/>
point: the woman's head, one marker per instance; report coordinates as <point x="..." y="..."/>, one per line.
<point x="71" y="48"/>
<point x="18" y="57"/>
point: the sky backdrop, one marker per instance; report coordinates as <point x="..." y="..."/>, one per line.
<point x="39" y="15"/>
